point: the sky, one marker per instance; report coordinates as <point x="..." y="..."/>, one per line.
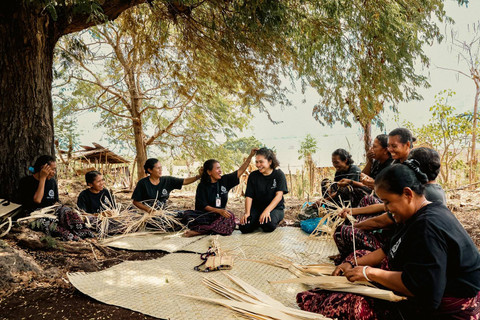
<point x="297" y="121"/>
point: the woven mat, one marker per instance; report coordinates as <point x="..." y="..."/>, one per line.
<point x="170" y="242"/>
<point x="288" y="242"/>
<point x="6" y="209"/>
<point x="150" y="286"/>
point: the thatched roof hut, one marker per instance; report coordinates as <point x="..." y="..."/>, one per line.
<point x="98" y="154"/>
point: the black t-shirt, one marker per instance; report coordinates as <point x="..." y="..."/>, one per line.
<point x="95" y="202"/>
<point x="147" y="192"/>
<point x="27" y="188"/>
<point x="262" y="189"/>
<point x="436" y="256"/>
<point x="377" y="167"/>
<point x="353" y="173"/>
<point x="434" y="193"/>
<point x="207" y="192"/>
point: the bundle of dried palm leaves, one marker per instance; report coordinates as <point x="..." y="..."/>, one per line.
<point x="331" y="220"/>
<point x="252" y="302"/>
<point x="338" y="283"/>
<point x="155" y="219"/>
<point x="47" y="212"/>
<point x="126" y="219"/>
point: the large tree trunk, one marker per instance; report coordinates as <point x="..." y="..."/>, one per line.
<point x="140" y="148"/>
<point x="27" y="40"/>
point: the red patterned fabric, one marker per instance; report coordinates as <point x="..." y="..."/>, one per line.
<point x="209" y="222"/>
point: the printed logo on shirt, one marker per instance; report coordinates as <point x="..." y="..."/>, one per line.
<point x="164" y="192"/>
<point x="274" y="185"/>
<point x="223" y="190"/>
<point x="394" y="248"/>
<point x="51" y="194"/>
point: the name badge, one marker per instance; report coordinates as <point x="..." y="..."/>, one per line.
<point x="218" y="202"/>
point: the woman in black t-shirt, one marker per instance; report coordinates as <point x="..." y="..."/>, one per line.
<point x="210" y="214"/>
<point x="153" y="191"/>
<point x="341" y="192"/>
<point x="264" y="202"/>
<point x="96" y="198"/>
<point x="39" y="190"/>
<point x="431" y="260"/>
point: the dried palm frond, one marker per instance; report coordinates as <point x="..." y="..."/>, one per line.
<point x="298" y="269"/>
<point x="9" y="222"/>
<point x="331" y="221"/>
<point x="337" y="283"/>
<point x="47" y="212"/>
<point x="253" y="302"/>
<point x="159" y="220"/>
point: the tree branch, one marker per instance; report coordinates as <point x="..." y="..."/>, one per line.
<point x="69" y="22"/>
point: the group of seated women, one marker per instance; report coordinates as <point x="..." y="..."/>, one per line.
<point x="408" y="241"/>
<point x="264" y="203"/>
<point x="405" y="237"/>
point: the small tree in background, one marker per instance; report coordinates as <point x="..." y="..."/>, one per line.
<point x="469" y="56"/>
<point x="448" y="132"/>
<point x="308" y="147"/>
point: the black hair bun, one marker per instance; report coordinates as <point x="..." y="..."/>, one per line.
<point x="414" y="165"/>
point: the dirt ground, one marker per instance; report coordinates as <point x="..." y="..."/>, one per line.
<point x="33" y="281"/>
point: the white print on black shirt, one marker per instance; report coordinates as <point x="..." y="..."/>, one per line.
<point x="51" y="194"/>
<point x="224" y="190"/>
<point x="164" y="192"/>
<point x="394" y="248"/>
<point x="274" y="185"/>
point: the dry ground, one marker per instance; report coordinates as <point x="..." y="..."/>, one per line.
<point x="33" y="281"/>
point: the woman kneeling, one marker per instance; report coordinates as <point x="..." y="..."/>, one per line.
<point x="264" y="195"/>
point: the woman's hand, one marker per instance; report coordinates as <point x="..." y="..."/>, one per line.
<point x="341" y="269"/>
<point x="243" y="220"/>
<point x="253" y="152"/>
<point x="265" y="217"/>
<point x="345" y="212"/>
<point x="367" y="181"/>
<point x="356" y="274"/>
<point x="344" y="182"/>
<point x="224" y="213"/>
<point x="370" y="154"/>
<point x="46" y="171"/>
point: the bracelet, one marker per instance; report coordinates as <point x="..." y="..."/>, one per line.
<point x="365" y="273"/>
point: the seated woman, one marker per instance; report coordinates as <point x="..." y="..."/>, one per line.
<point x="152" y="192"/>
<point x="431" y="260"/>
<point x="264" y="202"/>
<point x="210" y="215"/>
<point x="400" y="143"/>
<point x="96" y="198"/>
<point x="40" y="190"/>
<point x="378" y="158"/>
<point x="346" y="175"/>
<point x="372" y="232"/>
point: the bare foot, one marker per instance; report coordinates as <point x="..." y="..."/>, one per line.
<point x="191" y="233"/>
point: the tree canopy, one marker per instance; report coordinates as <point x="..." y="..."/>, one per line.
<point x="319" y="41"/>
